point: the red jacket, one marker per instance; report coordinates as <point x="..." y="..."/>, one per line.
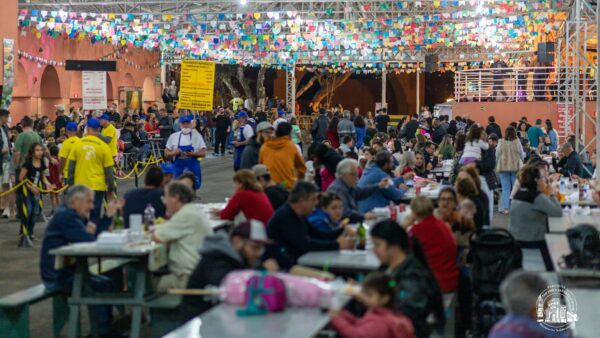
<point x="254" y="205"/>
<point x="333" y="138"/>
<point x="379" y="323"/>
<point x="439" y="247"/>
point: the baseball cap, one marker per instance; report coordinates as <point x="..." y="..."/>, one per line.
<point x="60" y="107"/>
<point x="280" y="113"/>
<point x="253" y="230"/>
<point x="168" y="168"/>
<point x="105" y="117"/>
<point x="264" y="126"/>
<point x="71" y="126"/>
<point x="242" y="114"/>
<point x="260" y="170"/>
<point x="93" y="123"/>
<point x="186" y="119"/>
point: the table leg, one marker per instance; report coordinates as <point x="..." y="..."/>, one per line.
<point x="139" y="289"/>
<point x="76" y="297"/>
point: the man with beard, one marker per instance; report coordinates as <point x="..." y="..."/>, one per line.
<point x="374" y="174"/>
<point x="249" y="157"/>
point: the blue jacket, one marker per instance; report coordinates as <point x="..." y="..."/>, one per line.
<point x="360" y="136"/>
<point x="320" y="220"/>
<point x="64" y="228"/>
<point x="373" y="175"/>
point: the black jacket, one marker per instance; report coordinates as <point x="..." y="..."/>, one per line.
<point x="570" y="165"/>
<point x="319" y="128"/>
<point x="487" y="166"/>
<point x="493" y="128"/>
<point x="410" y="130"/>
<point x="250" y="154"/>
<point x="222" y="122"/>
<point x="218" y="258"/>
<point x="438" y="134"/>
<point x="61" y="122"/>
<point x="277" y="195"/>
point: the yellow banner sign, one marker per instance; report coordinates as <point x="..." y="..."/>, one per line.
<point x="197" y="85"/>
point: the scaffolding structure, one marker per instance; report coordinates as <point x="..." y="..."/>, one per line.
<point x="577" y="73"/>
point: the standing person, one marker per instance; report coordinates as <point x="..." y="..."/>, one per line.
<point x="509" y="159"/>
<point x="499" y="68"/>
<point x="165" y="125"/>
<point x="283" y="159"/>
<point x="382" y="120"/>
<point x="109" y="134"/>
<point x="474" y="146"/>
<point x="24" y="141"/>
<point x="521" y="79"/>
<point x="61" y="120"/>
<point x="264" y="132"/>
<point x="222" y="128"/>
<point x="410" y="129"/>
<point x="493" y="127"/>
<point x="332" y="132"/>
<point x="535" y="134"/>
<point x="91" y="164"/>
<point x="54" y="176"/>
<point x="66" y="148"/>
<point x="439" y="132"/>
<point x="361" y="130"/>
<point x="530" y="210"/>
<point x="186" y="147"/>
<point x="346" y="127"/>
<point x="319" y="127"/>
<point x="32" y="172"/>
<point x="5" y="158"/>
<point x="244" y="134"/>
<point x="296" y="133"/>
<point x="552" y="136"/>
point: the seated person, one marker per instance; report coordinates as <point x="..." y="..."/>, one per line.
<point x="248" y="198"/>
<point x="345" y="185"/>
<point x="168" y="170"/>
<point x="417" y="292"/>
<point x="429" y="154"/>
<point x="276" y="193"/>
<point x="291" y="234"/>
<point x="569" y="163"/>
<point x="131" y="140"/>
<point x="347" y="145"/>
<point x="328" y="214"/>
<point x="188" y="179"/>
<point x="519" y="292"/>
<point x="421" y="168"/>
<point x="184" y="232"/>
<point x="136" y="200"/>
<point x="382" y="169"/>
<point x="70" y="225"/>
<point x="222" y="254"/>
<point x="437" y="241"/>
<point x="381" y="320"/>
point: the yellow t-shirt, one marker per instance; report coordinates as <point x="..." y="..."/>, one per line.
<point x="111" y="131"/>
<point x="91" y="155"/>
<point x="64" y="152"/>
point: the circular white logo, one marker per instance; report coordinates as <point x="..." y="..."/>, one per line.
<point x="556" y="308"/>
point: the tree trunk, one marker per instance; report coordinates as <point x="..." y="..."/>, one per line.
<point x="227" y="81"/>
<point x="260" y="87"/>
<point x="328" y="86"/>
<point x="308" y="85"/>
<point x="245" y="85"/>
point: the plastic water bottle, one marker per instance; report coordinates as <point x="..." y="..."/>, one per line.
<point x="149" y="217"/>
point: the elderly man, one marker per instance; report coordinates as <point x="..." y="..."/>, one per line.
<point x="374" y="174"/>
<point x="569" y="163"/>
<point x="184" y="232"/>
<point x="291" y="234"/>
<point x="186" y="146"/>
<point x="70" y="225"/>
<point x="346" y="127"/>
<point x="264" y="132"/>
<point x="345" y="185"/>
<point x="520" y="292"/>
<point x="61" y="120"/>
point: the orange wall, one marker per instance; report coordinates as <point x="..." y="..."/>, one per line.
<point x="8" y="28"/>
<point x="507" y="112"/>
<point x="39" y="87"/>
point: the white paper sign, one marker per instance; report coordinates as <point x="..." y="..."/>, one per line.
<point x="93" y="90"/>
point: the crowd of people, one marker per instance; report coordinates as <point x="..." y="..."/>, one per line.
<point x="290" y="199"/>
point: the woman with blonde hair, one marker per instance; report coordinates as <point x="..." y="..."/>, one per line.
<point x="248" y="198"/>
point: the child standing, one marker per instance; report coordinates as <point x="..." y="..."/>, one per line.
<point x="378" y="293"/>
<point x="54" y="176"/>
<point x="474" y="145"/>
<point x="32" y="171"/>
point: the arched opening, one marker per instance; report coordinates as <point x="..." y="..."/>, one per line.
<point x="49" y="91"/>
<point x="128" y="81"/>
<point x="75" y="90"/>
<point x="148" y="94"/>
<point x="110" y="95"/>
<point x="21" y="103"/>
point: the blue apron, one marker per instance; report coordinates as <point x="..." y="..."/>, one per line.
<point x="188" y="164"/>
<point x="239" y="150"/>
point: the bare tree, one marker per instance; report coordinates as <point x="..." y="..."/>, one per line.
<point x="245" y="82"/>
<point x="329" y="83"/>
<point x="261" y="91"/>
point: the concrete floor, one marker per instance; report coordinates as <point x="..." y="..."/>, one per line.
<point x="19" y="268"/>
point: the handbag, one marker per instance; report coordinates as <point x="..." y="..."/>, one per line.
<point x="584" y="242"/>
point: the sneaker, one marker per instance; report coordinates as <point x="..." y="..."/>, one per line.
<point x="32" y="237"/>
<point x="215" y="154"/>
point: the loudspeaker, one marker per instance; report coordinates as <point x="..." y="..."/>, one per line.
<point x="99" y="66"/>
<point x="431" y="63"/>
<point x="545" y="52"/>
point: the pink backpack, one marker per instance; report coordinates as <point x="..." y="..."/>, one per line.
<point x="270" y="289"/>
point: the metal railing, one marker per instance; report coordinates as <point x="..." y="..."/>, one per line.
<point x="516" y="84"/>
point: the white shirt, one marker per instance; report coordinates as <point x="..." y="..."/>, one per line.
<point x="194" y="139"/>
<point x="247" y="104"/>
<point x="248" y="132"/>
<point x="278" y="121"/>
<point x="473" y="149"/>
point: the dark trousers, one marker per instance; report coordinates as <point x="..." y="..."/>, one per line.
<point x="541" y="245"/>
<point x="95" y="214"/>
<point x="498" y="89"/>
<point x="220" y="141"/>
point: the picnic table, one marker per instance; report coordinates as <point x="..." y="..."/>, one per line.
<point x="568" y="220"/>
<point x="587" y="311"/>
<point x="558" y="246"/>
<point x="344" y="260"/>
<point x="222" y="321"/>
<point x="144" y="257"/>
<point x="214" y="222"/>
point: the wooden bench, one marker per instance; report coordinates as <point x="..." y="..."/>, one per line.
<point x="164" y="318"/>
<point x="14" y="308"/>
